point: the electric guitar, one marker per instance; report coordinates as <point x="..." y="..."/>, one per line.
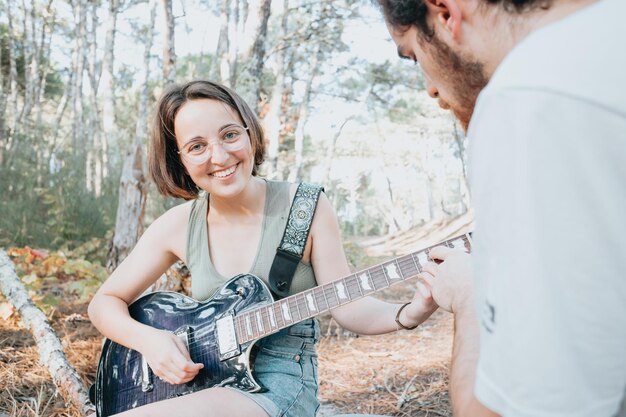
<point x="221" y="331"/>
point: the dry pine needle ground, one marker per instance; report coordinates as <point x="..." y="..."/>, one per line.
<point x="399" y="374"/>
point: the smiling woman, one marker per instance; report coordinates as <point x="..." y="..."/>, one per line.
<point x="206" y="146"/>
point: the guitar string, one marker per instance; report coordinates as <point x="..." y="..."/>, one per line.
<point x="376" y="274"/>
<point x="351" y="282"/>
<point x="261" y="313"/>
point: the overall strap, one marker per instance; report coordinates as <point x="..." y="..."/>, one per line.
<point x="294" y="239"/>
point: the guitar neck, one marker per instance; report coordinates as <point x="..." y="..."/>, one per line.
<point x="267" y="319"/>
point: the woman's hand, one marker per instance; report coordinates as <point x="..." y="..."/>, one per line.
<point x="421" y="307"/>
<point x="168" y="357"/>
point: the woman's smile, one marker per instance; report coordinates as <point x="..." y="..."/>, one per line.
<point x="225" y="173"/>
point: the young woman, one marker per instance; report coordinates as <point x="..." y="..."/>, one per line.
<point x="206" y="147"/>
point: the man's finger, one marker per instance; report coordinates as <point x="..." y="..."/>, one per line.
<point x="440" y="252"/>
<point x="426" y="278"/>
<point x="431" y="268"/>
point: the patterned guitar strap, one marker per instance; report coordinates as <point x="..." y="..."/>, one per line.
<point x="292" y="245"/>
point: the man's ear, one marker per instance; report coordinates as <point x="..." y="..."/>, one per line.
<point x="448" y="14"/>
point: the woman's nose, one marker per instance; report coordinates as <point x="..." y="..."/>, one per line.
<point x="218" y="154"/>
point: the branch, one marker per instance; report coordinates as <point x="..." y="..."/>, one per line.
<point x="50" y="349"/>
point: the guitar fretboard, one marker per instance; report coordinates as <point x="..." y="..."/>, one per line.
<point x="268" y="319"/>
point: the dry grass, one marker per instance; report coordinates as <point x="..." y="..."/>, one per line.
<point x="26" y="388"/>
<point x="400" y="374"/>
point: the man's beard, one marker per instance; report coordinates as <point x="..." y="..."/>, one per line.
<point x="466" y="77"/>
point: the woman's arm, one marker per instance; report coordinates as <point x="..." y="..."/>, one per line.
<point x="160" y="246"/>
<point x="367" y="315"/>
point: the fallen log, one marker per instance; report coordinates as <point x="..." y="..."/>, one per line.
<point x="51" y="352"/>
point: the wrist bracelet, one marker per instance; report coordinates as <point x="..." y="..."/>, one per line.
<point x="400" y="325"/>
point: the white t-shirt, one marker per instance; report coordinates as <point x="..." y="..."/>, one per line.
<point x="548" y="176"/>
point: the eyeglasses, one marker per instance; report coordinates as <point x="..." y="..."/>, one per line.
<point x="199" y="150"/>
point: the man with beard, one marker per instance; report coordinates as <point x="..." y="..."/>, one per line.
<point x="540" y="86"/>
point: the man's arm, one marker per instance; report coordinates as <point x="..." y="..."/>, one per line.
<point x="465" y="352"/>
<point x="451" y="285"/>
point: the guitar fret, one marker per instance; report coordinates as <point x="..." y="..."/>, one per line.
<point x="280" y="320"/>
<point x="293" y="309"/>
<point x="395" y="270"/>
<point x="422" y="259"/>
<point x="311" y="302"/>
<point x="347" y="288"/>
<point x="325" y="298"/>
<point x="331" y="287"/>
<point x="301" y="302"/>
<point x="417" y="267"/>
<point x="375" y="276"/>
<point x="248" y="325"/>
<point x="283" y="313"/>
<point x="286" y="312"/>
<point x="271" y="318"/>
<point x="384" y="268"/>
<point x="340" y="290"/>
<point x="259" y="321"/>
<point x="402" y="269"/>
<point x="237" y="321"/>
<point x="359" y="284"/>
<point x="350" y="282"/>
<point x="364" y="282"/>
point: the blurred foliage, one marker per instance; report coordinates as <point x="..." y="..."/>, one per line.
<point x="54" y="84"/>
<point x="52" y="278"/>
<point x="50" y="210"/>
<point x="46" y="201"/>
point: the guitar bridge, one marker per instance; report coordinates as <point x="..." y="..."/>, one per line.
<point x="227" y="337"/>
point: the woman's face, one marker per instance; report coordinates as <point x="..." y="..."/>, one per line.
<point x="214" y="147"/>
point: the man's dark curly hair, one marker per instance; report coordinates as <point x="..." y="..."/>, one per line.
<point x="402" y="14"/>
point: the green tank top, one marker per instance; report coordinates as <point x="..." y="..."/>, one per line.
<point x="204" y="277"/>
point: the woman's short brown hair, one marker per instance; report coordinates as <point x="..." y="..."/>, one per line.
<point x="164" y="164"/>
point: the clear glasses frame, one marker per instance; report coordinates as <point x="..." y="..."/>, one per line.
<point x="199" y="150"/>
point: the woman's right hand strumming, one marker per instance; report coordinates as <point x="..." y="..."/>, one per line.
<point x="168" y="357"/>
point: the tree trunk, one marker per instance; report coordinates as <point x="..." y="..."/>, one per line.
<point x="464" y="189"/>
<point x="303" y="117"/>
<point x="248" y="82"/>
<point x="94" y="160"/>
<point x="330" y="151"/>
<point x="45" y="44"/>
<point x="50" y="348"/>
<point x="221" y="71"/>
<point x="78" y="66"/>
<point x="107" y="86"/>
<point x="31" y="67"/>
<point x="169" y="54"/>
<point x="272" y="120"/>
<point x="132" y="198"/>
<point x="13" y="98"/>
<point x="3" y="108"/>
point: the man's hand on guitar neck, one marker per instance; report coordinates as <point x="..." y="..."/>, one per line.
<point x="450" y="281"/>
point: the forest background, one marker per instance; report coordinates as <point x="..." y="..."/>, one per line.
<point x="78" y="84"/>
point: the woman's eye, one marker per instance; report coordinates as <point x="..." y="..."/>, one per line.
<point x="230" y="136"/>
<point x="196" y="147"/>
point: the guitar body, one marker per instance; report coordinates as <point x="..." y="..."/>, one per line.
<point x="123" y="379"/>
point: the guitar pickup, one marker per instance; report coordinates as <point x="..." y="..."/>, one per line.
<point x="227" y="337"/>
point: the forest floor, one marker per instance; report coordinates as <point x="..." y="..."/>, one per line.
<point x="398" y="374"/>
